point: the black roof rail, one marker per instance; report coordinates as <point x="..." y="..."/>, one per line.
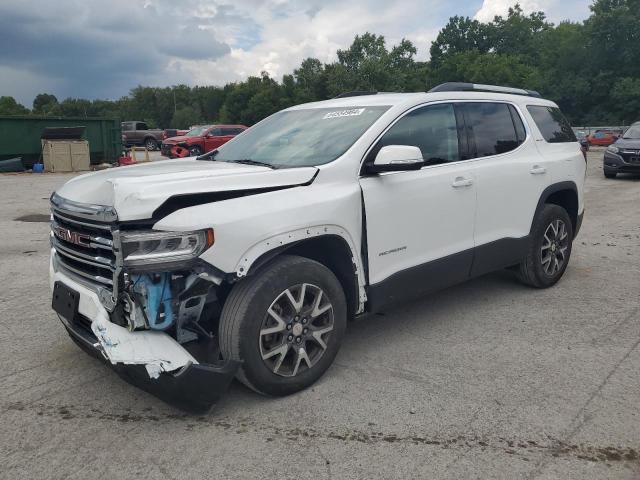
<point x="357" y="93"/>
<point x="477" y="87"/>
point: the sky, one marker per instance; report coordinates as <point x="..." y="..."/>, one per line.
<point x="103" y="49"/>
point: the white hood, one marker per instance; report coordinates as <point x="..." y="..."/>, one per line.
<point x="136" y="191"/>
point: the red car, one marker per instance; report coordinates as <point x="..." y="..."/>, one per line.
<point x="200" y="140"/>
<point x="603" y="138"/>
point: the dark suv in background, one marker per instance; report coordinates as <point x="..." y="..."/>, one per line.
<point x="624" y="155"/>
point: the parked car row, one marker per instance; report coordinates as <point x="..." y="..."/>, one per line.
<point x="178" y="143"/>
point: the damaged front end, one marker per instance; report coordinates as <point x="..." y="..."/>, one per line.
<point x="142" y="300"/>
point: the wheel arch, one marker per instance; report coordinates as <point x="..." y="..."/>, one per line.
<point x="563" y="194"/>
<point x="328" y="245"/>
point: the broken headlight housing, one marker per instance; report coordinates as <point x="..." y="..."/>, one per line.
<point x="158" y="247"/>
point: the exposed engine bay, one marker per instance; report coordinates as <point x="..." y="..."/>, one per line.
<point x="183" y="305"/>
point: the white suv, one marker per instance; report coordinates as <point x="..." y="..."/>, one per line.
<point x="249" y="260"/>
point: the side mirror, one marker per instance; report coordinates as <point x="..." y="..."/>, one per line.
<point x="397" y="158"/>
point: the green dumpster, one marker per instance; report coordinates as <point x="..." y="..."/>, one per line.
<point x="20" y="136"/>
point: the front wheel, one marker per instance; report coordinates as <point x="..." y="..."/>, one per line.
<point x="285" y="323"/>
<point x="549" y="248"/>
<point x="610" y="174"/>
<point x="195" y="151"/>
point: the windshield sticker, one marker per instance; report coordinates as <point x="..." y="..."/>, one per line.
<point x="354" y="112"/>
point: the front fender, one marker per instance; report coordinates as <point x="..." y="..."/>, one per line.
<point x="282" y="240"/>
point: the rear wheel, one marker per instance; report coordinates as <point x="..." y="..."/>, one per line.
<point x="151" y="144"/>
<point x="285" y="323"/>
<point x="549" y="248"/>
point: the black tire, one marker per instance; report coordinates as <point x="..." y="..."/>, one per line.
<point x="245" y="311"/>
<point x="195" y="151"/>
<point x="532" y="271"/>
<point x="151" y="144"/>
<point x="610" y="174"/>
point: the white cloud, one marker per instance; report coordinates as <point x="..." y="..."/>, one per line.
<point x="288" y="35"/>
<point x="556" y="10"/>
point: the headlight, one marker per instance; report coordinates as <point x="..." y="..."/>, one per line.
<point x="144" y="248"/>
<point x="613" y="149"/>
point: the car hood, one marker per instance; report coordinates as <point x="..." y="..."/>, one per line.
<point x="135" y="192"/>
<point x="628" y="143"/>
<point x="179" y="139"/>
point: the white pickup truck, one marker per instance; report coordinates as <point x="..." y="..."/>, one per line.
<point x="248" y="261"/>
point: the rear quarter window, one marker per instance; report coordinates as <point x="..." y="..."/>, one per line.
<point x="552" y="124"/>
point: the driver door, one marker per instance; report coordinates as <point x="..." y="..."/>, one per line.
<point x="420" y="224"/>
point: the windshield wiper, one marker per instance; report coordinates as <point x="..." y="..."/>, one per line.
<point x="248" y="161"/>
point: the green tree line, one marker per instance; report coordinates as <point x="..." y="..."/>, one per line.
<point x="590" y="68"/>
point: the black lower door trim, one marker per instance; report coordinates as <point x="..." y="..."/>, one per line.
<point x="445" y="272"/>
<point x="499" y="254"/>
<point x="420" y="280"/>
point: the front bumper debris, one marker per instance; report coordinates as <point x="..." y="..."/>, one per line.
<point x="194" y="387"/>
<point x="151" y="360"/>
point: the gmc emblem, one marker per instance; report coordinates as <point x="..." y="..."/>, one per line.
<point x="72" y="237"/>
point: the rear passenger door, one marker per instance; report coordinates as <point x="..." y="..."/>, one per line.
<point x="511" y="176"/>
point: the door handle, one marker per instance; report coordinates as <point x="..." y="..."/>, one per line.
<point x="537" y="170"/>
<point x="462" y="182"/>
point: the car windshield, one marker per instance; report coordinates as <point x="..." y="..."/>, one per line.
<point x="196" y="131"/>
<point x="633" y="132"/>
<point x="301" y="138"/>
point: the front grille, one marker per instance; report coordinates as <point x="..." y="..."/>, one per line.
<point x="84" y="239"/>
<point x="84" y="248"/>
<point x="630" y="156"/>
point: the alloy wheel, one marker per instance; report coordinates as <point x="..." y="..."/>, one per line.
<point x="296" y="329"/>
<point x="553" y="253"/>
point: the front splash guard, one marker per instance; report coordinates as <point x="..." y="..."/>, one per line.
<point x="195" y="387"/>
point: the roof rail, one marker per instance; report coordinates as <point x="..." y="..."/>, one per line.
<point x="357" y="93"/>
<point x="477" y="87"/>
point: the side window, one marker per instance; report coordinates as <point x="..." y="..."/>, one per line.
<point x="492" y="128"/>
<point x="126" y="127"/>
<point x="216" y="132"/>
<point x="552" y="124"/>
<point x="230" y="131"/>
<point x="433" y="129"/>
<point x="141" y="126"/>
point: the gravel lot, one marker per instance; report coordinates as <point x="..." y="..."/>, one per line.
<point x="488" y="379"/>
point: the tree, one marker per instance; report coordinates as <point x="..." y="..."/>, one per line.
<point x="461" y="34"/>
<point x="45" y="104"/>
<point x="488" y="68"/>
<point x="9" y="106"/>
<point x="185" y="117"/>
<point x="518" y="34"/>
<point x="613" y="35"/>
